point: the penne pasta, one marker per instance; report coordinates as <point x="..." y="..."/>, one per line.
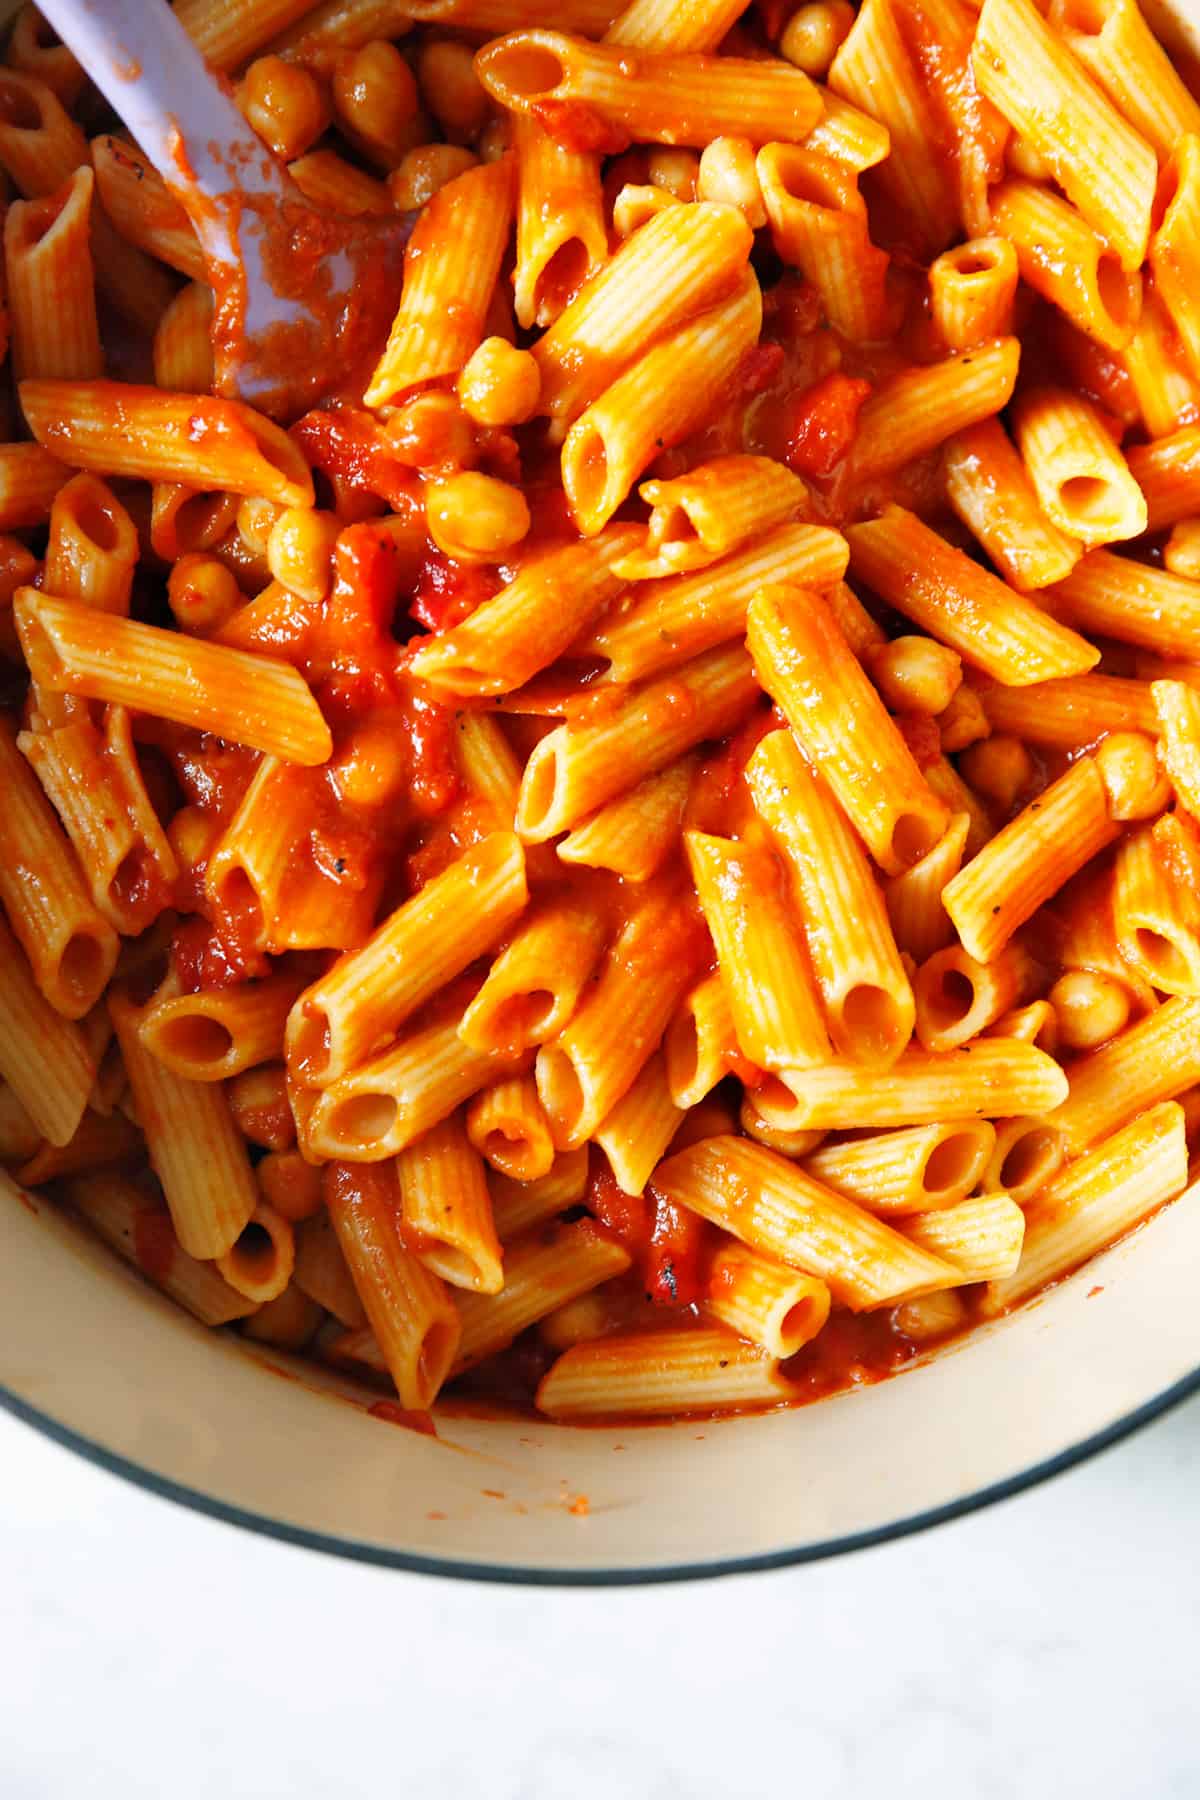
<point x="920" y="408"/>
<point x="73" y="648"/>
<point x="667" y="98"/>
<point x="981" y="1238"/>
<point x="1095" y="1200"/>
<point x="1083" y="483"/>
<point x="923" y="1088"/>
<point x="447" y="1210"/>
<point x="774" y="1207"/>
<point x="507" y="1124"/>
<point x="142" y="1234"/>
<point x="649" y="1373"/>
<point x="806" y="666"/>
<point x="865" y="992"/>
<point x="1002" y="633"/>
<point x="543" y="1270"/>
<point x="918" y="1169"/>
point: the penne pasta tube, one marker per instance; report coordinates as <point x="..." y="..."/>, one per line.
<point x="971" y="291"/>
<point x="1156" y="908"/>
<point x="487" y="767"/>
<point x="795" y="1144"/>
<point x="1036" y="1023"/>
<point x="428" y="940"/>
<point x="915" y="1170"/>
<point x="658" y="1374"/>
<point x="917" y="410"/>
<point x="1083" y="483"/>
<point x="29" y="479"/>
<point x="763" y="963"/>
<point x="874" y="70"/>
<point x="661" y="398"/>
<point x="143" y="209"/>
<point x="1113" y="596"/>
<point x="1067" y="263"/>
<point x="409" y="1309"/>
<point x="1002" y="633"/>
<point x="1072" y="713"/>
<point x="1177" y="713"/>
<point x="1153" y="1060"/>
<point x="777" y="1209"/>
<point x="217" y="1033"/>
<point x="661" y="626"/>
<point x="532" y="989"/>
<point x="958" y="997"/>
<point x="99" y="1140"/>
<point x="518" y="1205"/>
<point x="228" y="32"/>
<point x="1116" y="46"/>
<point x="447" y="1210"/>
<point x="588" y="18"/>
<point x="140" y="1231"/>
<point x="542" y="1270"/>
<point x="808" y="669"/>
<point x="194" y="1146"/>
<point x="450" y="269"/>
<point x="867" y="1000"/>
<point x="700" y="1043"/>
<point x="1027" y="1153"/>
<point x="51" y="290"/>
<point x="848" y="135"/>
<point x="258" y="1264"/>
<point x="671" y="98"/>
<point x="1029" y="860"/>
<point x="920" y="922"/>
<point x="119" y="428"/>
<point x="95" y="786"/>
<point x="531" y="621"/>
<point x="1167" y="471"/>
<point x="667" y="272"/>
<point x="338" y="186"/>
<point x="322" y="1271"/>
<point x="636" y="833"/>
<point x="1175" y="248"/>
<point x="595" y="1059"/>
<point x="382" y="1105"/>
<point x="663" y="26"/>
<point x="561" y="236"/>
<point x="577" y="768"/>
<point x="777" y="1308"/>
<point x="255" y="700"/>
<point x="93" y="546"/>
<point x="1165" y="389"/>
<point x="698" y="518"/>
<point x="30" y="51"/>
<point x="44" y="1058"/>
<point x="71" y="947"/>
<point x="988" y="488"/>
<point x="636" y="1133"/>
<point x="819" y="225"/>
<point x="923" y="1088"/>
<point x="1095" y="1200"/>
<point x="981" y="1237"/>
<point x="1104" y="166"/>
<point x="508" y="1126"/>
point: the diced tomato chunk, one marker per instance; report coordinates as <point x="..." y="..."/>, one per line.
<point x="824" y="423"/>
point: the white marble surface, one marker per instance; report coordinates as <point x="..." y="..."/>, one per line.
<point x="1048" y="1647"/>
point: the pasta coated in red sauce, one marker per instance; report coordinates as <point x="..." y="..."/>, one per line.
<point x="624" y="939"/>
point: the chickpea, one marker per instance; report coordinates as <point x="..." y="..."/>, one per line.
<point x="1128" y="764"/>
<point x="813" y="35"/>
<point x="676" y="170"/>
<point x="915" y="674"/>
<point x="421" y="172"/>
<point x="284" y="104"/>
<point x="376" y="100"/>
<point x="300" y="551"/>
<point x="451" y="89"/>
<point x="202" y="594"/>
<point x="999" y="768"/>
<point x="1090" y="1008"/>
<point x="475" y="517"/>
<point x="729" y="174"/>
<point x="500" y="385"/>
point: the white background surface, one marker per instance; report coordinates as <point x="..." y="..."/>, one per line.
<point x="1047" y="1647"/>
